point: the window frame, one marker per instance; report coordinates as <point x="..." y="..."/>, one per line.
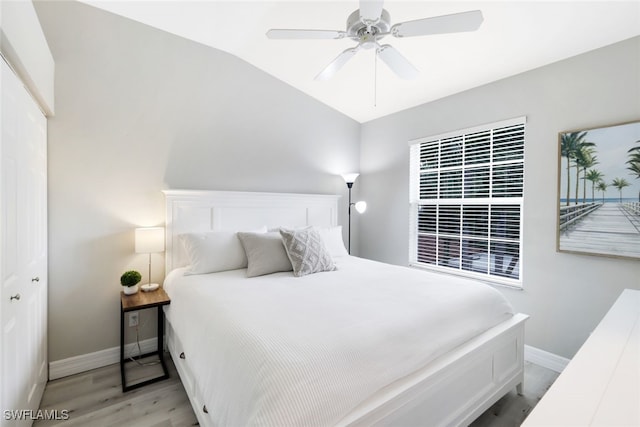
<point x="463" y="201"/>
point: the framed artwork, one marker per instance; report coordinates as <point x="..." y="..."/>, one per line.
<point x="599" y="191"/>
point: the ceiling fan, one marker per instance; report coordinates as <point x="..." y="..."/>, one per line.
<point x="371" y="23"/>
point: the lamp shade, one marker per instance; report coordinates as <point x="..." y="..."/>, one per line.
<point x="149" y="240"/>
<point x="361" y="206"/>
<point x="350" y="178"/>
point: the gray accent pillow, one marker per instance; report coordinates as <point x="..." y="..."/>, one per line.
<point x="265" y="253"/>
<point x="307" y="252"/>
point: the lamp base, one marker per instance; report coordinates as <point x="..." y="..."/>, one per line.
<point x="148" y="287"/>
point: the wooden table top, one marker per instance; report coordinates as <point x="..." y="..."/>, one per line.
<point x="143" y="299"/>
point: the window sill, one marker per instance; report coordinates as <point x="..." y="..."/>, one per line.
<point x="492" y="281"/>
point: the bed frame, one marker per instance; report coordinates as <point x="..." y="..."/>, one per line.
<point x="453" y="390"/>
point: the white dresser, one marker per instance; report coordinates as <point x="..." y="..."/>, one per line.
<point x="601" y="384"/>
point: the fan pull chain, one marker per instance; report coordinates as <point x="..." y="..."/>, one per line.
<point x="375" y="79"/>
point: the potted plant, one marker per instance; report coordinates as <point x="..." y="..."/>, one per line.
<point x="129" y="281"/>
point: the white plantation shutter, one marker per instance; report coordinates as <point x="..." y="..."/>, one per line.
<point x="466" y="201"/>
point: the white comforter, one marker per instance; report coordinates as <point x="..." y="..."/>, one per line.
<point x="280" y="350"/>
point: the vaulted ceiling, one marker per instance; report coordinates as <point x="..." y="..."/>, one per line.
<point x="514" y="37"/>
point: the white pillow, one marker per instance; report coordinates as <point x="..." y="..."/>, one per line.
<point x="265" y="253"/>
<point x="214" y="251"/>
<point x="307" y="252"/>
<point x="332" y="238"/>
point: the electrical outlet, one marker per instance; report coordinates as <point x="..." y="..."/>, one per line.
<point x="133" y="318"/>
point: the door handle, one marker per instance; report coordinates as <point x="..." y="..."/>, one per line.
<point x="35" y="279"/>
<point x="15" y="297"/>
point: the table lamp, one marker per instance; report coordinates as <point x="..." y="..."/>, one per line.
<point x="149" y="240"/>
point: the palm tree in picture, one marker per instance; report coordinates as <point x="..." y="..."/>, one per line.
<point x="635" y="169"/>
<point x="635" y="150"/>
<point x="585" y="159"/>
<point x="581" y="156"/>
<point x="595" y="177"/>
<point x="602" y="186"/>
<point x="620" y="183"/>
<point x="569" y="143"/>
<point x="634" y="162"/>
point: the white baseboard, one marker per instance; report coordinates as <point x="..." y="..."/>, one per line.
<point x="545" y="359"/>
<point x="86" y="362"/>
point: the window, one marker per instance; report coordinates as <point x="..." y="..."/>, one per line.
<point x="466" y="201"/>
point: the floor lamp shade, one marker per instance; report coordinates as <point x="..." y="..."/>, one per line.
<point x="350" y="178"/>
<point x="149" y="240"/>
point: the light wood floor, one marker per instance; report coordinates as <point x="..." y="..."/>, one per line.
<point x="95" y="398"/>
<point x="511" y="410"/>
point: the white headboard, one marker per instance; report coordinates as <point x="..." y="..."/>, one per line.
<point x="199" y="211"/>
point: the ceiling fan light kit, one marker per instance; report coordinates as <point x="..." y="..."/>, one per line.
<point x="370" y="23"/>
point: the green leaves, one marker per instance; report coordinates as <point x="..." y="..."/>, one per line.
<point x="130" y="278"/>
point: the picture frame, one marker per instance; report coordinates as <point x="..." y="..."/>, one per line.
<point x="599" y="191"/>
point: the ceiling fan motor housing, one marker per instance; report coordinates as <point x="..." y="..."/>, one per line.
<point x="367" y="35"/>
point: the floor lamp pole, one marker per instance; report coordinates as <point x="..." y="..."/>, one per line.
<point x="349" y="184"/>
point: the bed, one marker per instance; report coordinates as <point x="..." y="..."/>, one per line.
<point x="362" y="344"/>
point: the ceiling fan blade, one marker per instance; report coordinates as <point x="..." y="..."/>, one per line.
<point x="370" y="10"/>
<point x="304" y="34"/>
<point x="336" y="64"/>
<point x="398" y="63"/>
<point x="454" y="23"/>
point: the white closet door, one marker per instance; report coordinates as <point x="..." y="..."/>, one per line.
<point x="23" y="234"/>
<point x="35" y="221"/>
<point x="12" y="209"/>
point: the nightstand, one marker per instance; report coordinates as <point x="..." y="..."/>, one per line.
<point x="140" y="301"/>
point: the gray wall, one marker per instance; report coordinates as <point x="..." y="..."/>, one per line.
<point x="138" y="111"/>
<point x="566" y="295"/>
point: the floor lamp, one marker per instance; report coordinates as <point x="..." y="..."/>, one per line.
<point x="149" y="240"/>
<point x="350" y="178"/>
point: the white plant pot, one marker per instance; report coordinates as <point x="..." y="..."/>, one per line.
<point x="130" y="290"/>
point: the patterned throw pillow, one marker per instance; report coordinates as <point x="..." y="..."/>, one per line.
<point x="306" y="251"/>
